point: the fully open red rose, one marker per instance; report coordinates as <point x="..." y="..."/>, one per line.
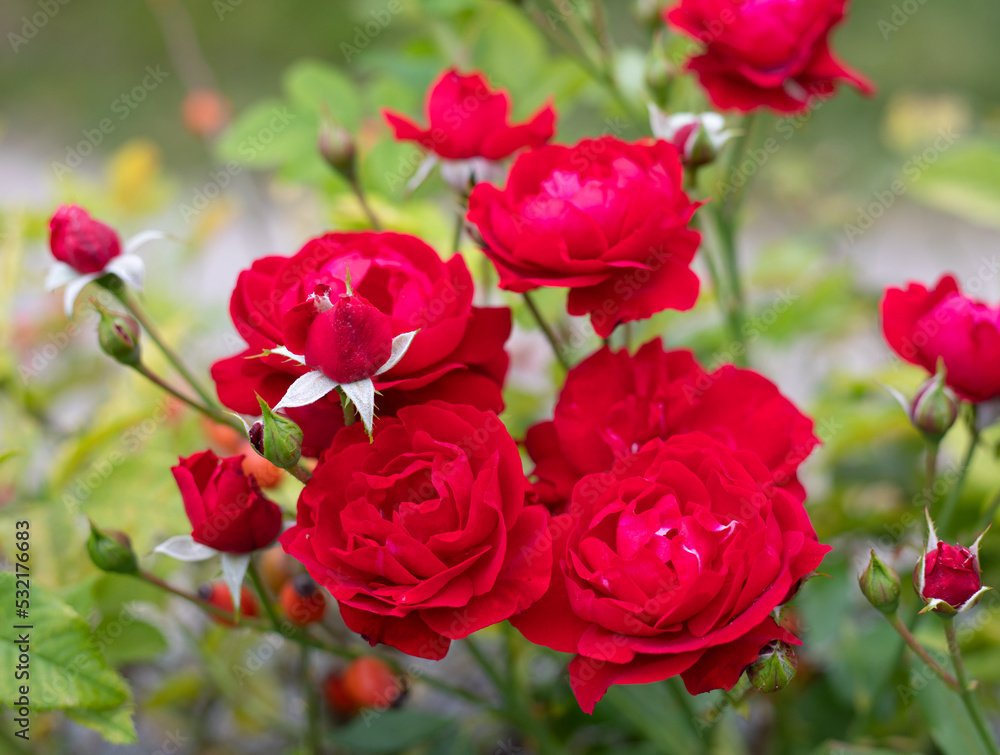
<point x="467" y="119"/>
<point x="613" y="403"/>
<point x="422" y="536"/>
<point x="606" y="219"/>
<point x="765" y="53"/>
<point x="458" y="353"/>
<point x="226" y="508"/>
<point x="951" y="575"/>
<point x="924" y="326"/>
<point x="85" y="244"/>
<point x="672" y="563"/>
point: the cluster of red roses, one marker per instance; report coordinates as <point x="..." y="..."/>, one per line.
<point x="663" y="522"/>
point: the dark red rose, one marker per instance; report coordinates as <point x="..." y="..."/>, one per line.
<point x="346" y="338"/>
<point x="924" y="326"/>
<point x="951" y="575"/>
<point x="773" y="54"/>
<point x="423" y="536"/>
<point x="613" y="403"/>
<point x="83" y="243"/>
<point x="458" y="353"/>
<point x="672" y="563"/>
<point x="606" y="219"/>
<point x="468" y="119"/>
<point x="226" y="508"/>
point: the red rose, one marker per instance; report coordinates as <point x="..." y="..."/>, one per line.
<point x="83" y="243"/>
<point x="226" y="508"/>
<point x="672" y="563"/>
<point x="422" y="536"/>
<point x="765" y="54"/>
<point x="606" y="219"/>
<point x="951" y="575"/>
<point x="613" y="403"/>
<point x="467" y="119"/>
<point x="458" y="353"/>
<point x="924" y="326"/>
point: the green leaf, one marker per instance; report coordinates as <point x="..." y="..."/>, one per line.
<point x="650" y="708"/>
<point x="388" y="732"/>
<point x="265" y="135"/>
<point x="510" y="51"/>
<point x="312" y="86"/>
<point x="114" y="724"/>
<point x="66" y="670"/>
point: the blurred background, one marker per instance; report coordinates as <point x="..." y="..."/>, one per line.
<point x="201" y="119"/>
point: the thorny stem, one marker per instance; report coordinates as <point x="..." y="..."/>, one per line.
<point x="366" y="208"/>
<point x="965" y="689"/>
<point x="921" y="651"/>
<point x="948" y="509"/>
<point x="210" y="412"/>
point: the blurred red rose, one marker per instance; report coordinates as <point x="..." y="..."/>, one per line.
<point x="612" y="403"/>
<point x="226" y="508"/>
<point x="467" y="119"/>
<point x="458" y="353"/>
<point x="85" y="244"/>
<point x="773" y="54"/>
<point x="924" y="326"/>
<point x="606" y="219"/>
<point x="672" y="563"/>
<point x="423" y="535"/>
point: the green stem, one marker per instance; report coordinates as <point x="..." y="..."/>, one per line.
<point x="126" y="298"/>
<point x="948" y="509"/>
<point x="549" y="334"/>
<point x="990" y="513"/>
<point x="350" y="414"/>
<point x="212" y="413"/>
<point x="914" y="644"/>
<point x="727" y="289"/>
<point x="734" y="201"/>
<point x="930" y="470"/>
<point x="202" y="604"/>
<point x="265" y="598"/>
<point x="966" y="689"/>
<point x="300" y="473"/>
<point x="359" y="192"/>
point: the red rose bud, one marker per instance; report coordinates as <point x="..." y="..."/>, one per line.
<point x="81" y="242"/>
<point x="111" y="551"/>
<point x="934" y="408"/>
<point x="948" y="577"/>
<point x="467" y="119"/>
<point x="276" y="438"/>
<point x="370" y="683"/>
<point x="337" y="147"/>
<point x="346" y="338"/>
<point x="880" y="584"/>
<point x="302" y="600"/>
<point x="337" y="700"/>
<point x="226" y="507"/>
<point x="775" y="668"/>
<point x="118" y="335"/>
<point x="218" y="594"/>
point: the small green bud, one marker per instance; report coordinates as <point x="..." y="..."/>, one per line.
<point x="111" y="551"/>
<point x="277" y="438"/>
<point x="660" y="77"/>
<point x="880" y="584"/>
<point x="935" y="408"/>
<point x="337" y="147"/>
<point x="774" y="668"/>
<point x="118" y="335"/>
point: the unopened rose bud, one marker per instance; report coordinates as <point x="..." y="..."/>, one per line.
<point x="337" y="147"/>
<point x="948" y="577"/>
<point x="111" y="551"/>
<point x="277" y="438"/>
<point x="880" y="584"/>
<point x="934" y="409"/>
<point x="774" y="668"/>
<point x="83" y="243"/>
<point x="119" y="335"/>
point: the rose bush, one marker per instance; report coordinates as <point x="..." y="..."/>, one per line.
<point x="613" y="403"/>
<point x="671" y="563"/>
<point x="606" y="219"/>
<point x="923" y="326"/>
<point x="458" y="353"/>
<point x="765" y="54"/>
<point x="423" y="536"/>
